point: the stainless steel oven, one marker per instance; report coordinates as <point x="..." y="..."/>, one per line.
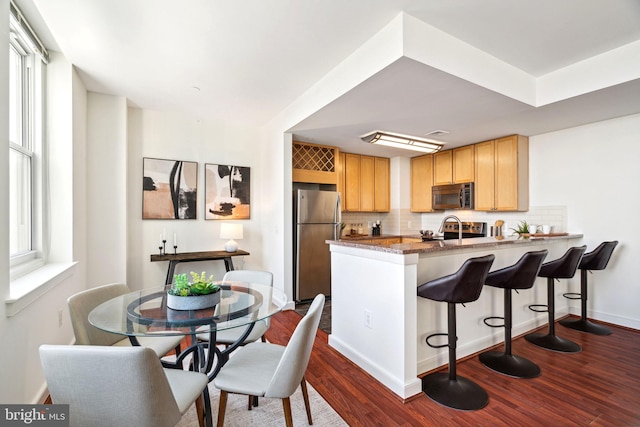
<point x="469" y="230"/>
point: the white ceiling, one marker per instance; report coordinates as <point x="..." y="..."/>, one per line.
<point x="244" y="61"/>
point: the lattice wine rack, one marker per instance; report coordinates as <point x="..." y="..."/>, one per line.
<point x="310" y="162"/>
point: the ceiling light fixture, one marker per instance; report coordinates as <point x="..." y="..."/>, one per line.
<point x="406" y="142"/>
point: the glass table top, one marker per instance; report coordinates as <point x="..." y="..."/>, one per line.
<point x="145" y="312"/>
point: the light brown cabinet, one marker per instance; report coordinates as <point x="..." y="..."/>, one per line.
<point x="314" y="163"/>
<point x="443" y="167"/>
<point x="502" y="174"/>
<point x="454" y="166"/>
<point x="382" y="195"/>
<point x="464" y="164"/>
<point x="364" y="183"/>
<point x="421" y="183"/>
<point x="351" y="173"/>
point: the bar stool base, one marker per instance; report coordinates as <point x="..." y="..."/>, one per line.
<point x="460" y="393"/>
<point x="585" y="326"/>
<point x="507" y="364"/>
<point x="552" y="342"/>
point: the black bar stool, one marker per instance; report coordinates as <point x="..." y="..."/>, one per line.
<point x="463" y="286"/>
<point x="521" y="275"/>
<point x="562" y="268"/>
<point x="594" y="260"/>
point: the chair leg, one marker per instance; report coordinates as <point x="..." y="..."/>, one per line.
<point x="286" y="405"/>
<point x="222" y="407"/>
<point x="305" y="396"/>
<point x="506" y="363"/>
<point x="250" y="404"/>
<point x="583" y="324"/>
<point x="450" y="389"/>
<point x="200" y="410"/>
<point x="550" y="341"/>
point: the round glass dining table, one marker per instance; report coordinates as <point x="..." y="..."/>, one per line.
<point x="145" y="313"/>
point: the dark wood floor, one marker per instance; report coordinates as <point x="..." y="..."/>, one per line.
<point x="599" y="386"/>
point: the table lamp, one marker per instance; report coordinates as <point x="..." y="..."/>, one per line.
<point x="231" y="231"/>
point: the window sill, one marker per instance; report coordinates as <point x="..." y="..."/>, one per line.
<point x="28" y="288"/>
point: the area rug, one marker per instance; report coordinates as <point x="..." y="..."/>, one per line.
<point x="268" y="413"/>
<point x="325" y="320"/>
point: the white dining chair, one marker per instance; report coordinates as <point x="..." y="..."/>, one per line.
<point x="230" y="336"/>
<point x="81" y="304"/>
<point x="272" y="371"/>
<point x="107" y="386"/>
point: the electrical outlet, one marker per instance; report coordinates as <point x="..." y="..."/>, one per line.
<point x="368" y="319"/>
<point x="409" y="224"/>
<point x="60" y="318"/>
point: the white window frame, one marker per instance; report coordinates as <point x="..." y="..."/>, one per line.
<point x="30" y="141"/>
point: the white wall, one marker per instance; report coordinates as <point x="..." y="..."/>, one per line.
<point x="594" y="171"/>
<point x="106" y="188"/>
<point x="169" y="135"/>
<point x="36" y="324"/>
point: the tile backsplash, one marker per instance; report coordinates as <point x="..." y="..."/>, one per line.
<point x="405" y="222"/>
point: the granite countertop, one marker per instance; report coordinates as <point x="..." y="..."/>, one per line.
<point x="355" y="237"/>
<point x="446" y="245"/>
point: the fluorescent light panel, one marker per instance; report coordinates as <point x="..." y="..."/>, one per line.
<point x="402" y="141"/>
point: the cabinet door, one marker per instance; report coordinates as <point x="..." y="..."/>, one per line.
<point x="421" y="183"/>
<point x="382" y="185"/>
<point x="485" y="182"/>
<point x="367" y="183"/>
<point x="341" y="186"/>
<point x="463" y="164"/>
<point x="351" y="182"/>
<point x="506" y="172"/>
<point x="442" y="168"/>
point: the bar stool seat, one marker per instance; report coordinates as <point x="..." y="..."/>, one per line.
<point x="521" y="275"/>
<point x="562" y="268"/>
<point x="594" y="260"/>
<point x="463" y="286"/>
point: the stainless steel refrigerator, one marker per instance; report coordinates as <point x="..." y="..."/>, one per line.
<point x="317" y="218"/>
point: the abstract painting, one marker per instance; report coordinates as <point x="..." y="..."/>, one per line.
<point x="169" y="189"/>
<point x="227" y="192"/>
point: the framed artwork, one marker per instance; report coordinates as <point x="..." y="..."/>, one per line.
<point x="227" y="191"/>
<point x="169" y="189"/>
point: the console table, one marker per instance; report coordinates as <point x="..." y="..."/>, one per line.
<point x="174" y="259"/>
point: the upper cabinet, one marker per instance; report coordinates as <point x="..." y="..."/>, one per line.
<point x="463" y="164"/>
<point x="364" y="183"/>
<point x="502" y="174"/>
<point x="421" y="183"/>
<point x="454" y="166"/>
<point x="443" y="167"/>
<point x="314" y="163"/>
<point x="382" y="195"/>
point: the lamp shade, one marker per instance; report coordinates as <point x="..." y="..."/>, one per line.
<point x="231" y="231"/>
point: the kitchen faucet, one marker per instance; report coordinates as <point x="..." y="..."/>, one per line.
<point x="459" y="226"/>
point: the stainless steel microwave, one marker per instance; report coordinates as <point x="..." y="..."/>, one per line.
<point x="453" y="196"/>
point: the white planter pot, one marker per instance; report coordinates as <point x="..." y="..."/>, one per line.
<point x="194" y="302"/>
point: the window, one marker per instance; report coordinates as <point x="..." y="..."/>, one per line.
<point x="27" y="60"/>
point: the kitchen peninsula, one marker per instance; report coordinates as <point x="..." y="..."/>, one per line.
<point x="380" y="324"/>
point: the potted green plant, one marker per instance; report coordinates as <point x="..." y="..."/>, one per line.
<point x="196" y="294"/>
<point x="522" y="229"/>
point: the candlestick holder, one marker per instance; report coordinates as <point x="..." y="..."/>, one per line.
<point x="175" y="249"/>
<point x="164" y="247"/>
<point x="160" y="249"/>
